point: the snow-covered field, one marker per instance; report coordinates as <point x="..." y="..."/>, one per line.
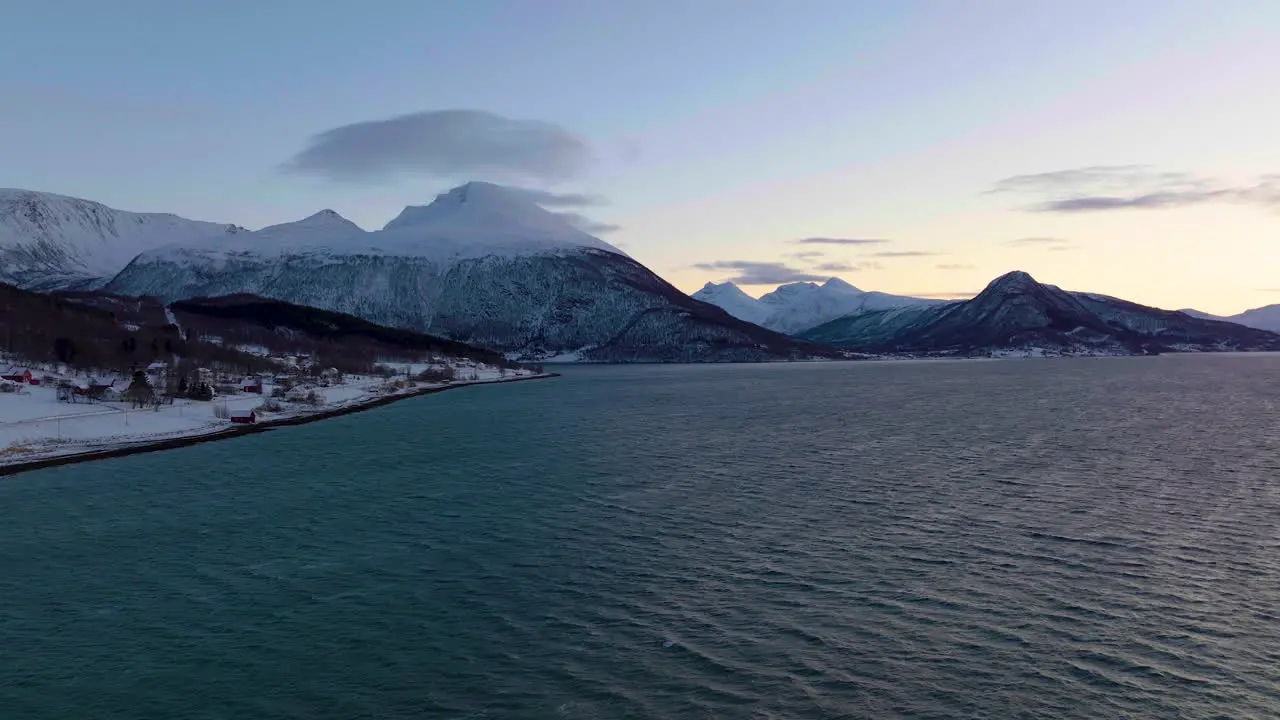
<point x="35" y="425"/>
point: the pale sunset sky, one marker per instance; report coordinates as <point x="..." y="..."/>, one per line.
<point x="1128" y="147"/>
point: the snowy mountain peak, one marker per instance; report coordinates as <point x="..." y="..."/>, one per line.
<point x="798" y="306"/>
<point x="1017" y="281"/>
<point x="724" y="288"/>
<point x="836" y="283"/>
<point x="481" y="201"/>
<point x="326" y="221"/>
<point x="484" y="216"/>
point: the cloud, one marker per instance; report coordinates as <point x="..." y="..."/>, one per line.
<point x="904" y="254"/>
<point x="838" y="267"/>
<point x="1051" y="244"/>
<point x="807" y="254"/>
<point x="453" y="144"/>
<point x="954" y="266"/>
<point x="587" y="225"/>
<point x="549" y="199"/>
<point x="1034" y="241"/>
<point x="1102" y="188"/>
<point x="838" y="241"/>
<point x="750" y="272"/>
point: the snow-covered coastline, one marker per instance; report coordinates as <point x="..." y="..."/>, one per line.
<point x="62" y="436"/>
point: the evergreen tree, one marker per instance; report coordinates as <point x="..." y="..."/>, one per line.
<point x="64" y="349"/>
<point x="182" y="385"/>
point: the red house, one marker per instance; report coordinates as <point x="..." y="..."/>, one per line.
<point x="243" y="417"/>
<point x="19" y="375"/>
<point x="251" y="385"/>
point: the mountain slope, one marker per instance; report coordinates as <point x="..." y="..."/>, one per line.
<point x="1016" y="312"/>
<point x="796" y="307"/>
<point x="733" y="300"/>
<point x="1263" y="318"/>
<point x="481" y="264"/>
<point x="50" y="241"/>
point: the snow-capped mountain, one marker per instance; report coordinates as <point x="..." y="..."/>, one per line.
<point x="50" y="242"/>
<point x="481" y="264"/>
<point x="796" y="307"/>
<point x="1266" y="317"/>
<point x="733" y="300"/>
<point x="1015" y="312"/>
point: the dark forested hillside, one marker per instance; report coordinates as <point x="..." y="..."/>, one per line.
<point x="93" y="330"/>
<point x="253" y="320"/>
<point x="44" y="328"/>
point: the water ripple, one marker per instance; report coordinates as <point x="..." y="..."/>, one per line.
<point x="1050" y="539"/>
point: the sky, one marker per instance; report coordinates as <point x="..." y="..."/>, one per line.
<point x="1126" y="147"/>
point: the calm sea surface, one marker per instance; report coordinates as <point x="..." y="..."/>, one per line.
<point x="1019" y="539"/>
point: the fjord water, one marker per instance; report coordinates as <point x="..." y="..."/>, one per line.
<point x="1030" y="539"/>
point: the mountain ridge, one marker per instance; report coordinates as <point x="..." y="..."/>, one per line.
<point x="50" y="241"/>
<point x="792" y="308"/>
<point x="481" y="264"/>
<point x="1015" y="311"/>
<point x="1266" y="317"/>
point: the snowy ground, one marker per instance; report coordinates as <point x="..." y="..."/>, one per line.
<point x="34" y="425"/>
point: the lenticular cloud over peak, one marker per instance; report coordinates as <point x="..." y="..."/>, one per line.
<point x="443" y="143"/>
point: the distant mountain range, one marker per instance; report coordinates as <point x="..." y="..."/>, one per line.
<point x="487" y="266"/>
<point x="1016" y="313"/>
<point x="796" y="307"/>
<point x="1263" y="318"/>
<point x="482" y="264"/>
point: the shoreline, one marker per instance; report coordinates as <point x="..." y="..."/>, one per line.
<point x="145" y="446"/>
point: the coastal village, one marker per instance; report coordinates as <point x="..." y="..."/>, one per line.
<point x="49" y="409"/>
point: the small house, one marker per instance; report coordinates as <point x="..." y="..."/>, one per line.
<point x="19" y="375"/>
<point x="244" y="417"/>
<point x="110" y="394"/>
<point x="251" y="385"/>
<point x="157" y="372"/>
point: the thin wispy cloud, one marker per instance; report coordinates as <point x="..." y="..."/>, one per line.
<point x="1102" y="188"/>
<point x="837" y="267"/>
<point x="838" y="241"/>
<point x="588" y="225"/>
<point x="1052" y="244"/>
<point x="549" y="199"/>
<point x="954" y="266"/>
<point x="750" y="272"/>
<point x="807" y="254"/>
<point x="452" y="144"/>
<point x="904" y="254"/>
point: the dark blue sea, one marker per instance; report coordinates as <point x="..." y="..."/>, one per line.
<point x="1089" y="539"/>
